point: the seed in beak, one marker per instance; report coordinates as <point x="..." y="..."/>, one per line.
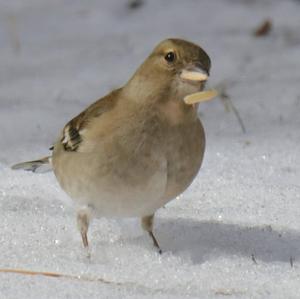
<point x="201" y="96"/>
<point x="193" y="75"/>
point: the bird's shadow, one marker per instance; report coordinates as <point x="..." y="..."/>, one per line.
<point x="201" y="240"/>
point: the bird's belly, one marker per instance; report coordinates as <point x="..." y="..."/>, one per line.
<point x="123" y="200"/>
<point x="115" y="188"/>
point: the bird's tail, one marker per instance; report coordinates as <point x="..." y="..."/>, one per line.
<point x="39" y="166"/>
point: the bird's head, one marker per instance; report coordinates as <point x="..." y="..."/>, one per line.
<point x="173" y="70"/>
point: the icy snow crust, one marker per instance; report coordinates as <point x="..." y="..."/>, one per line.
<point x="235" y="232"/>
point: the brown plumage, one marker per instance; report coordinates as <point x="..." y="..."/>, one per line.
<point x="140" y="146"/>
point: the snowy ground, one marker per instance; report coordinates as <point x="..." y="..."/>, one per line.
<point x="236" y="232"/>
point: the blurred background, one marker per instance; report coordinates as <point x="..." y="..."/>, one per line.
<point x="59" y="56"/>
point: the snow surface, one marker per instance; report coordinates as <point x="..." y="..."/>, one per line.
<point x="235" y="233"/>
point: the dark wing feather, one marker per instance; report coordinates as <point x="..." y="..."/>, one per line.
<point x="72" y="137"/>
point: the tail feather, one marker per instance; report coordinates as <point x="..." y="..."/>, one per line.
<point x="39" y="166"/>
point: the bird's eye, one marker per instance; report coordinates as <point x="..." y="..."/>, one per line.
<point x="170" y="57"/>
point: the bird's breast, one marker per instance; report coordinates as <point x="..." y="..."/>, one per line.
<point x="185" y="151"/>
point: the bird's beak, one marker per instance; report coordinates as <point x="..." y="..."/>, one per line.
<point x="194" y="73"/>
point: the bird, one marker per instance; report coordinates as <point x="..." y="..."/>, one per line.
<point x="140" y="146"/>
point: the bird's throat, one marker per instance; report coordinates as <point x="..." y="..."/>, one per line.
<point x="176" y="112"/>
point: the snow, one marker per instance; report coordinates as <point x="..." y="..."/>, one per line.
<point x="235" y="232"/>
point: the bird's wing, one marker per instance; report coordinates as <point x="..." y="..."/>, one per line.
<point x="72" y="135"/>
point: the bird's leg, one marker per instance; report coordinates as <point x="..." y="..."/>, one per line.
<point x="83" y="221"/>
<point x="147" y="225"/>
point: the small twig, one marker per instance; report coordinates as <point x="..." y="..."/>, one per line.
<point x="82" y="278"/>
<point x="237" y="114"/>
<point x="228" y="104"/>
<point x="253" y="259"/>
<point x="224" y="98"/>
<point x="291" y="262"/>
<point x="263" y="29"/>
<point x="57" y="275"/>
